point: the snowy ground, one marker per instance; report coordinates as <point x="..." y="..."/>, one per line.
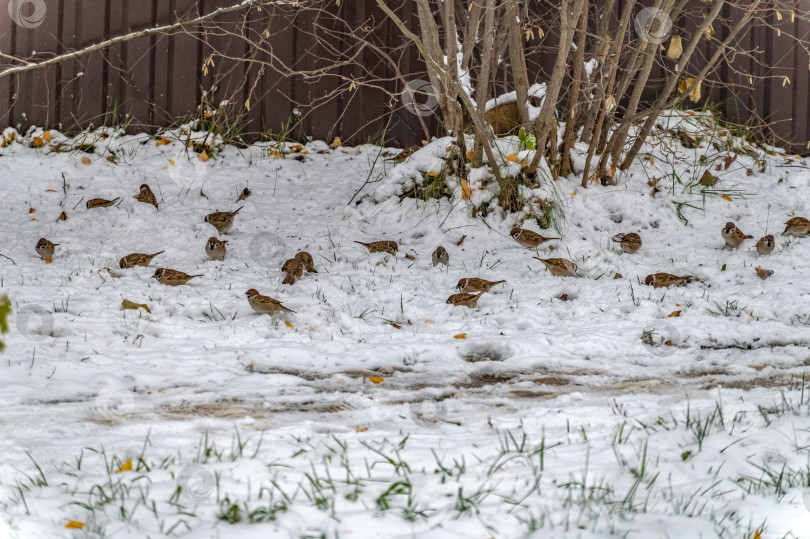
<point x="377" y="410"/>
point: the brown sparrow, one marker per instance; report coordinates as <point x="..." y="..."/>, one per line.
<point x="294" y="270"/>
<point x="797" y="226"/>
<point x="146" y="196"/>
<point x="137" y="259"/>
<point x="441" y="256"/>
<point x="765" y="245"/>
<point x="265" y="304"/>
<point x="244" y="194"/>
<point x="474" y="284"/>
<point x="733" y="236"/>
<point x="465" y="299"/>
<point x="559" y="266"/>
<point x="306" y="259"/>
<point x="101" y="203"/>
<point x="630" y="243"/>
<point x="216" y="248"/>
<point x="382" y="246"/>
<point x="222" y="220"/>
<point x="662" y="280"/>
<point x="44" y="248"/>
<point x="171" y="277"/>
<point x="527" y="238"/>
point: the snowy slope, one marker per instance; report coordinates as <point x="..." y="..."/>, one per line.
<point x="79" y="372"/>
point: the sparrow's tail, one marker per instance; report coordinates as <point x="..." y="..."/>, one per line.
<point x="289" y="279"/>
<point x="748" y="237"/>
<point x="237" y="210"/>
<point x="498" y="282"/>
<point x="363" y="244"/>
<point x="158" y="253"/>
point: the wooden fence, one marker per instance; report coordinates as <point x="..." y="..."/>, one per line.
<point x="152" y="82"/>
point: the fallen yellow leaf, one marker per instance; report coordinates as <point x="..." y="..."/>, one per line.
<point x="512" y="158"/>
<point x="289" y="325"/>
<point x="337" y="142"/>
<point x="470" y="153"/>
<point x="74" y="525"/>
<point x="171" y="162"/>
<point x="203" y="156"/>
<point x="433" y="173"/>
<point x="727" y="197"/>
<point x="37" y="142"/>
<point x="47" y="136"/>
<point x="465" y="190"/>
<point x="127" y="304"/>
<point x="86" y="160"/>
<point x="125" y="467"/>
<point x="460" y="336"/>
<point x="162" y="141"/>
<point x="376" y="379"/>
<point x="674" y="314"/>
<point x="112" y="160"/>
<point x="574" y="194"/>
<point x="31" y="210"/>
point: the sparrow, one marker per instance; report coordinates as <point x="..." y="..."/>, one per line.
<point x="44" y="248"/>
<point x="559" y="266"/>
<point x="172" y="277"/>
<point x="629" y="243"/>
<point x="294" y="270"/>
<point x="527" y="238"/>
<point x="474" y="284"/>
<point x="101" y="203"/>
<point x="215" y="248"/>
<point x="797" y="226"/>
<point x="465" y="298"/>
<point x="137" y="259"/>
<point x="222" y="220"/>
<point x="733" y="236"/>
<point x="306" y="259"/>
<point x="765" y="245"/>
<point x="265" y="304"/>
<point x="662" y="280"/>
<point x="382" y="246"/>
<point x="440" y="255"/>
<point x="146" y="196"/>
<point x="763" y="273"/>
<point x="244" y="194"/>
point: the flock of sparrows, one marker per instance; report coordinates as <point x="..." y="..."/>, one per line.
<point x="470" y="288"/>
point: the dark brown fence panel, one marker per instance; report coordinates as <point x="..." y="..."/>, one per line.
<point x="153" y="82"/>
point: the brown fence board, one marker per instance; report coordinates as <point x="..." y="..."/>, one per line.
<point x="159" y="79"/>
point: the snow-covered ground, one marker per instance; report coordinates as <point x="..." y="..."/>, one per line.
<point x="377" y="410"/>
